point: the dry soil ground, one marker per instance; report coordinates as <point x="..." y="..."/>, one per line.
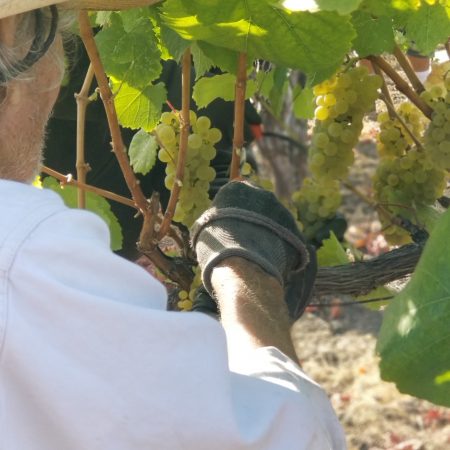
<point x="337" y="348"/>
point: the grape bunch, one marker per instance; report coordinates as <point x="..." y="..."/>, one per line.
<point x="185" y="298"/>
<point x="393" y="139"/>
<point x="316" y="202"/>
<point x="198" y="173"/>
<point x="342" y="102"/>
<point x="403" y="184"/>
<point x="437" y="136"/>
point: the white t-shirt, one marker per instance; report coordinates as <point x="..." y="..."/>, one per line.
<point x="90" y="359"/>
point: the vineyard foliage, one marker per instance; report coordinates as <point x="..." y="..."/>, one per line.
<point x="323" y="39"/>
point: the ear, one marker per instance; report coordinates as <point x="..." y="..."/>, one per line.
<point x="8" y="30"/>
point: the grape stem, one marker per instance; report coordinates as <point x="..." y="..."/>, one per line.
<point x="70" y="181"/>
<point x="184" y="134"/>
<point x="393" y="112"/>
<point x="384" y="88"/>
<point x="401" y="84"/>
<point x="83" y="100"/>
<point x="377" y="206"/>
<point x="408" y="69"/>
<point x="239" y="115"/>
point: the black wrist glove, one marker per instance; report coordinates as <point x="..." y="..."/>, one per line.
<point x="250" y="223"/>
<point x="204" y="303"/>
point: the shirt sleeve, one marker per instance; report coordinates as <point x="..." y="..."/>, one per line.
<point x="92" y="361"/>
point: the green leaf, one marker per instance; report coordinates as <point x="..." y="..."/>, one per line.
<point x="94" y="203"/>
<point x="374" y="35"/>
<point x="379" y="292"/>
<point x="331" y="253"/>
<point x="377" y="8"/>
<point x="142" y="151"/>
<point x="222" y="86"/>
<point x="304" y="105"/>
<point x="341" y="6"/>
<point x="427" y="27"/>
<point x="315" y="43"/>
<point x="102" y="18"/>
<point x="139" y="108"/>
<point x="202" y="63"/>
<point x="223" y="58"/>
<point x="130" y="50"/>
<point x="414" y="341"/>
<point x="278" y="91"/>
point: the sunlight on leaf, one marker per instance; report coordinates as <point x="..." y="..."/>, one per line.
<point x="443" y="378"/>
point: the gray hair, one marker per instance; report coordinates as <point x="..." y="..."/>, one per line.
<point x="16" y="61"/>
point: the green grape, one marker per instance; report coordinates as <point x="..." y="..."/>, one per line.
<point x="214" y="135"/>
<point x="321" y="139"/>
<point x="208" y="152"/>
<point x="170" y="118"/>
<point x="206" y="173"/>
<point x="321" y="113"/>
<point x="329" y="100"/>
<point x="166" y="134"/>
<point x="203" y="124"/>
<point x="192" y="118"/>
<point x="165" y="155"/>
<point x="335" y="129"/>
<point x="195" y="141"/>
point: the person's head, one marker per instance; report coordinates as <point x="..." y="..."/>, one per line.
<point x="31" y="69"/>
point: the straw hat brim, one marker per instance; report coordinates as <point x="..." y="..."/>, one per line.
<point x="12" y="7"/>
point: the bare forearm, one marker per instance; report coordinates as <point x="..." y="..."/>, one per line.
<point x="252" y="308"/>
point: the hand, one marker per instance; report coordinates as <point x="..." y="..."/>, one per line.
<point x="249" y="222"/>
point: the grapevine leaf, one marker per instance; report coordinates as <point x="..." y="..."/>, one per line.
<point x="102" y="18"/>
<point x="202" y="63"/>
<point x="427" y="27"/>
<point x="377" y="8"/>
<point x="313" y="42"/>
<point x="379" y="292"/>
<point x="304" y="102"/>
<point x="130" y="53"/>
<point x="414" y="342"/>
<point x="173" y="42"/>
<point x="373" y="35"/>
<point x="341" y="6"/>
<point x="331" y="253"/>
<point x="223" y="58"/>
<point x="222" y="86"/>
<point x="142" y="152"/>
<point x="94" y="203"/>
<point x="278" y="91"/>
<point x="139" y="108"/>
